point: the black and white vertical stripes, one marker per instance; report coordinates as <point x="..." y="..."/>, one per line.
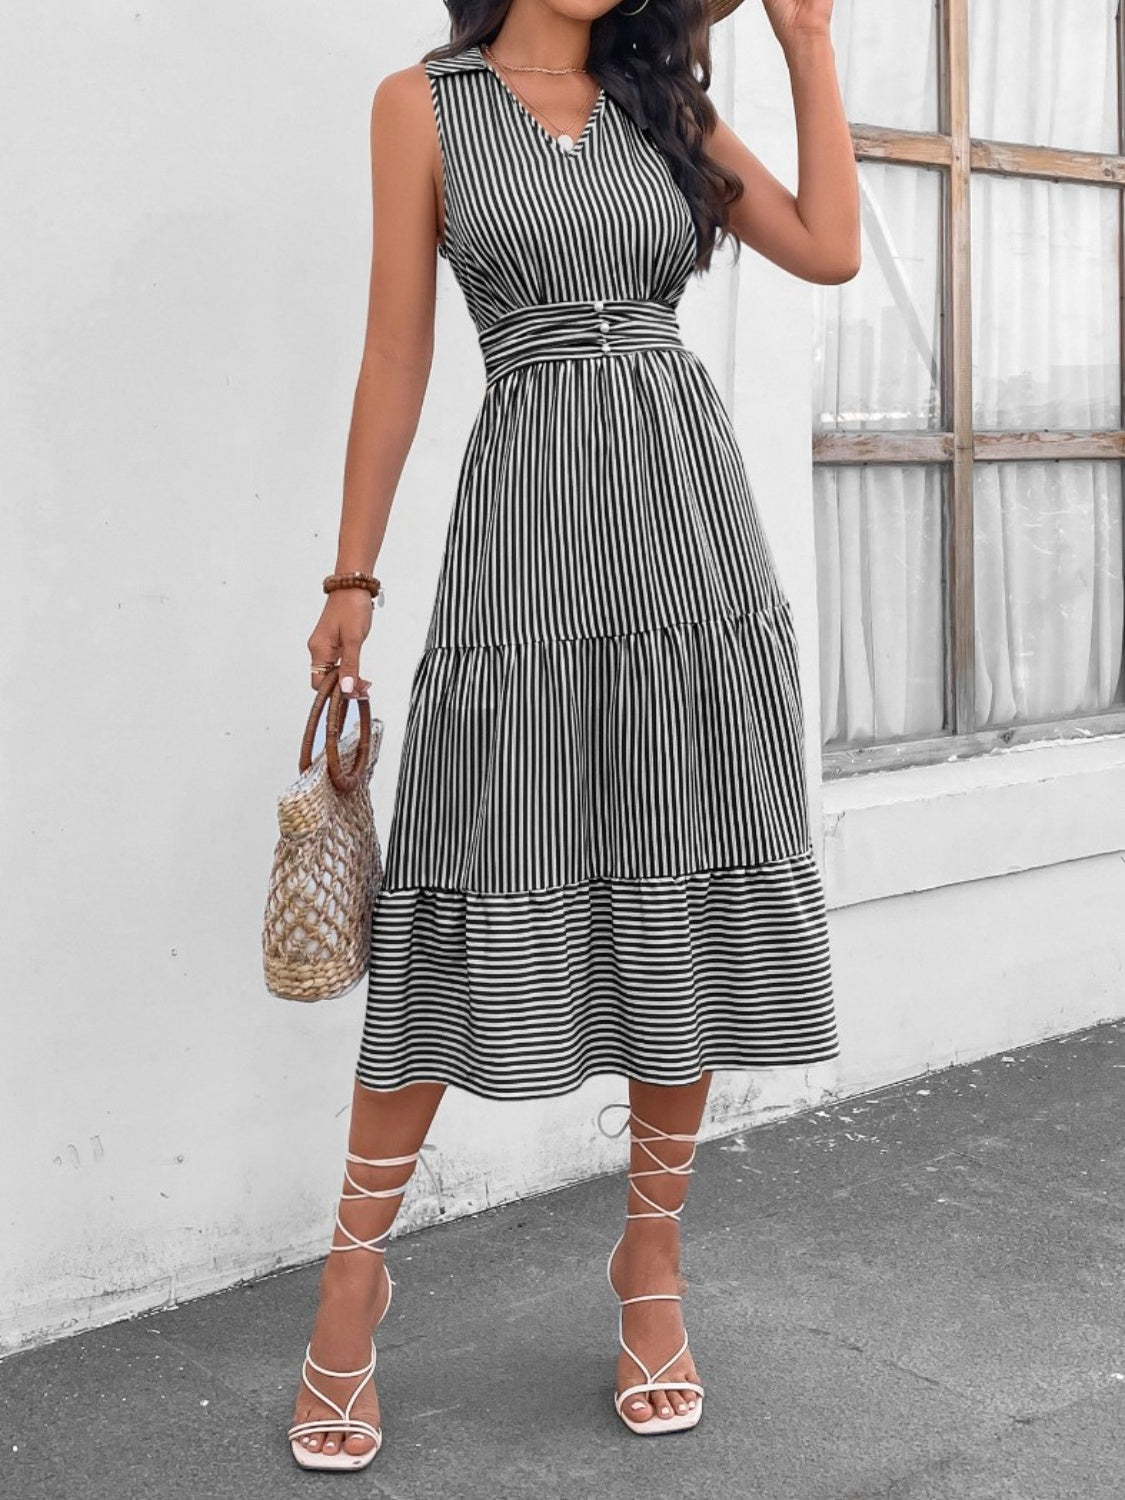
<point x="599" y="857"/>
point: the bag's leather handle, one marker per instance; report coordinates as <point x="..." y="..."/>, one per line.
<point x="329" y="692"/>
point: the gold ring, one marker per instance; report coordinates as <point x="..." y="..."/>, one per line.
<point x="323" y="668"/>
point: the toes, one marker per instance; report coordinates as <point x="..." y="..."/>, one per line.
<point x="637" y="1409"/>
<point x="688" y="1397"/>
<point x="355" y="1443"/>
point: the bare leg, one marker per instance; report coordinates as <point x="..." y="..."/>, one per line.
<point x="353" y="1284"/>
<point x="648" y="1259"/>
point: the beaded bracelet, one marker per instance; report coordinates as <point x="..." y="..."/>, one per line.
<point x="355" y="580"/>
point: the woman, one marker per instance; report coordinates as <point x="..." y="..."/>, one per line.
<point x="599" y="858"/>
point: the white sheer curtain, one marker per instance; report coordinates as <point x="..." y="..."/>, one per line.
<point x="1048" y="552"/>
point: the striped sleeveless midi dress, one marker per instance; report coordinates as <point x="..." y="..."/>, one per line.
<point x="598" y="859"/>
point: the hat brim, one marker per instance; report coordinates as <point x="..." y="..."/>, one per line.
<point x="721" y="8"/>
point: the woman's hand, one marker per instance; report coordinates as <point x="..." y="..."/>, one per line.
<point x="339" y="635"/>
<point x="794" y="20"/>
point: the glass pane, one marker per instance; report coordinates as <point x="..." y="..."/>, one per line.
<point x="1044" y="72"/>
<point x="877" y="347"/>
<point x="1046" y="349"/>
<point x="879" y="584"/>
<point x="886" y="59"/>
<point x="1048" y="589"/>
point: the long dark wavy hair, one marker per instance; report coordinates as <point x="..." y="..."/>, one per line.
<point x="657" y="66"/>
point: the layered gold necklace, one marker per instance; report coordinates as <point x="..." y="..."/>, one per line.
<point x="564" y="138"/>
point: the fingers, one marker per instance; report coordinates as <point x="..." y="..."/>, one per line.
<point x="338" y="640"/>
<point x="324" y="651"/>
<point x="353" y="633"/>
<point x="352" y="685"/>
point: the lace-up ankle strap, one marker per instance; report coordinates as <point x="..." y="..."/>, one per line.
<point x="376" y="1245"/>
<point x="654" y="1380"/>
<point x="376" y="1161"/>
<point x="339" y="1374"/>
<point x="645" y="1142"/>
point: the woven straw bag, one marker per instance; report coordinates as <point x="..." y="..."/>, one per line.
<point x="327" y="866"/>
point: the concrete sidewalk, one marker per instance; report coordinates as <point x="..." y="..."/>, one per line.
<point x="915" y="1294"/>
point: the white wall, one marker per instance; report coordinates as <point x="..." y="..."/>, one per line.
<point x="184" y="243"/>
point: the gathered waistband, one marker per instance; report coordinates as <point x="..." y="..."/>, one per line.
<point x="594" y="329"/>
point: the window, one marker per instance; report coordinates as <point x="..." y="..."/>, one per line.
<point x="967" y="398"/>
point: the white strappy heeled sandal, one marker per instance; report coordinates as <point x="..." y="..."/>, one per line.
<point x="344" y="1423"/>
<point x="678" y="1421"/>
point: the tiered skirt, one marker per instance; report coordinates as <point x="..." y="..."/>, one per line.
<point x="598" y="859"/>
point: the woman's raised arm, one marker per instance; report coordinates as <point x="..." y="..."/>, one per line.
<point x="815" y="233"/>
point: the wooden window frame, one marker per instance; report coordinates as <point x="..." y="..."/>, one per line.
<point x="959" y="446"/>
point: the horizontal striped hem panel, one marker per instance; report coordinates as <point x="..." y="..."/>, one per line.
<point x="525" y="995"/>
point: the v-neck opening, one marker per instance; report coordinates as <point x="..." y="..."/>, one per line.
<point x="552" y="140"/>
